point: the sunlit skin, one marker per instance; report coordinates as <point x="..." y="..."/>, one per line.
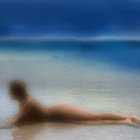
<point x="31" y="111"/>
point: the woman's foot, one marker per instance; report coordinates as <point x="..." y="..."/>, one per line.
<point x="135" y="120"/>
<point x="130" y="122"/>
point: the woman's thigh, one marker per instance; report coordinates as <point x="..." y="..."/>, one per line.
<point x="68" y="112"/>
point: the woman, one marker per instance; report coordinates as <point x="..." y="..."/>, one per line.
<point x="32" y="111"/>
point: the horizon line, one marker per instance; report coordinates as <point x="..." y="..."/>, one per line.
<point x="46" y="38"/>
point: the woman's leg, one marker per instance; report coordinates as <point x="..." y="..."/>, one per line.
<point x="110" y="122"/>
<point x="72" y="113"/>
<point x="111" y="116"/>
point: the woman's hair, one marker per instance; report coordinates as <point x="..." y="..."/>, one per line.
<point x="18" y="89"/>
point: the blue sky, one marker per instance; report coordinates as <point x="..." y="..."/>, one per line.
<point x="82" y="18"/>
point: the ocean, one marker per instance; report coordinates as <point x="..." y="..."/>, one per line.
<point x="99" y="76"/>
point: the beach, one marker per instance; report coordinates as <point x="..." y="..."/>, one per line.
<point x="95" y="76"/>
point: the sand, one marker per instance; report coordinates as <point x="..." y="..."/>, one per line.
<point x="98" y="80"/>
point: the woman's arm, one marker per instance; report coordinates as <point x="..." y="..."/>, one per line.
<point x="27" y="107"/>
<point x="8" y="125"/>
<point x="20" y="117"/>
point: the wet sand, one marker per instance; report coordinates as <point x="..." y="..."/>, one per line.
<point x="70" y="131"/>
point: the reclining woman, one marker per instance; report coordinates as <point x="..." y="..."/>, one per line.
<point x="32" y="111"/>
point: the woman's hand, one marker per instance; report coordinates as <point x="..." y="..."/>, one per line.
<point x="8" y="125"/>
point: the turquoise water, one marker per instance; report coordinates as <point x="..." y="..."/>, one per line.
<point x="99" y="76"/>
